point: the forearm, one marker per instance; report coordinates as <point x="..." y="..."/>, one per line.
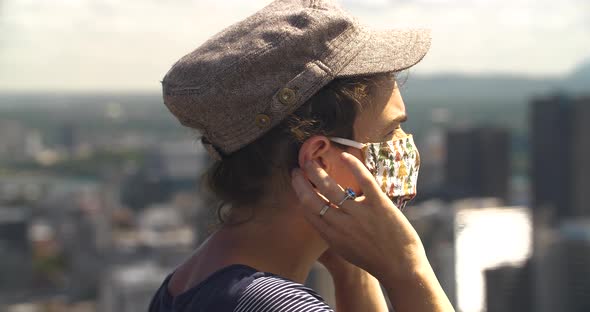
<point x="358" y="291"/>
<point x="419" y="292"/>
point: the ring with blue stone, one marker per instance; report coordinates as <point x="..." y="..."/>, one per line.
<point x="349" y="194"/>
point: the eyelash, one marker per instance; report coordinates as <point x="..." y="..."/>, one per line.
<point x="394" y="129"/>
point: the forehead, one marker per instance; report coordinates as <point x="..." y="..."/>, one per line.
<point x="376" y="118"/>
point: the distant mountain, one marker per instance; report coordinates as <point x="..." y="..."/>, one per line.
<point x="478" y="86"/>
<point x="485" y="99"/>
<point x="499" y="86"/>
<point x="478" y="99"/>
<point x="579" y="80"/>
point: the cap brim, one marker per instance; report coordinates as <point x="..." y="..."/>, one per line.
<point x="389" y="51"/>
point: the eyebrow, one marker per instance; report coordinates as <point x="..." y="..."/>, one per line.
<point x="401" y="118"/>
<point x="395" y="122"/>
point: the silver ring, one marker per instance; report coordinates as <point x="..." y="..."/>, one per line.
<point x="324" y="209"/>
<point x="349" y="194"/>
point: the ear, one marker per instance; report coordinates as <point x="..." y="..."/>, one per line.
<point x="315" y="148"/>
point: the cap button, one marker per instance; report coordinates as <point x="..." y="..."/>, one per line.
<point x="287" y="96"/>
<point x="262" y="121"/>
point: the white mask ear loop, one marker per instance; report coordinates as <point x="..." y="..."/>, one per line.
<point x="348" y="142"/>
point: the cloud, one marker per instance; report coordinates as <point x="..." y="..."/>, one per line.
<point x="522" y="36"/>
<point x="90" y="44"/>
<point x="116" y="44"/>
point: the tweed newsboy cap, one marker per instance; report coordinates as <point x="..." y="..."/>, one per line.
<point x="247" y="78"/>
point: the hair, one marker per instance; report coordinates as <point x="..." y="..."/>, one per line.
<point x="244" y="178"/>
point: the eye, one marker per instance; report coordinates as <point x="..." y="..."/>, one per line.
<point x="390" y="133"/>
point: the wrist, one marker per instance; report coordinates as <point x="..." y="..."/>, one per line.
<point x="339" y="270"/>
<point x="348" y="275"/>
<point x="419" y="290"/>
<point x="337" y="266"/>
<point x="412" y="261"/>
<point x="396" y="278"/>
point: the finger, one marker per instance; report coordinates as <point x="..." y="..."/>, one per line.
<point x="325" y="231"/>
<point x="312" y="202"/>
<point x="301" y="186"/>
<point x="363" y="176"/>
<point x="354" y="207"/>
<point x="323" y="182"/>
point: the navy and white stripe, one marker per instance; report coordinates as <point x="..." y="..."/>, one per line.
<point x="275" y="294"/>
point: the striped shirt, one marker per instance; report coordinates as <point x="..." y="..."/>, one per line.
<point x="240" y="288"/>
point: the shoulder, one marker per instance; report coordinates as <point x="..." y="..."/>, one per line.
<point x="274" y="293"/>
<point x="218" y="292"/>
<point x="240" y="288"/>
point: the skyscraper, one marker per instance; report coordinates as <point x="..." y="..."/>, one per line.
<point x="562" y="280"/>
<point x="508" y="288"/>
<point x="560" y="172"/>
<point x="478" y="162"/>
<point x="560" y="153"/>
<point x="581" y="158"/>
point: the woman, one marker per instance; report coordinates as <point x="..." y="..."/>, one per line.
<point x="299" y="106"/>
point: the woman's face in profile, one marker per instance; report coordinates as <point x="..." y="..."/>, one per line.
<point x="380" y="121"/>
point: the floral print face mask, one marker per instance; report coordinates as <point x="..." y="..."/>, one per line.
<point x="394" y="163"/>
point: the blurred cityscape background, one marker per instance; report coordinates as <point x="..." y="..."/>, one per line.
<point x="99" y="185"/>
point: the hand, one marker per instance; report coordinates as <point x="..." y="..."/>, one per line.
<point x="369" y="231"/>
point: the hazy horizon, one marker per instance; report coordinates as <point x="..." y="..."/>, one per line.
<point x="413" y="75"/>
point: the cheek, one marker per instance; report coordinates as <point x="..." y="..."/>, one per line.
<point x="343" y="176"/>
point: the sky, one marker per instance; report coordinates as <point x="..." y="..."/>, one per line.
<point x="116" y="45"/>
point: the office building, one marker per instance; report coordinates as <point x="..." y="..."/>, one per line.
<point x="478" y="162"/>
<point x="509" y="289"/>
<point x="560" y="152"/>
<point x="562" y="273"/>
